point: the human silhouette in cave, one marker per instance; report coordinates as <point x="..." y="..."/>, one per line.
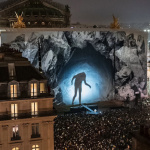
<point x="78" y="85"/>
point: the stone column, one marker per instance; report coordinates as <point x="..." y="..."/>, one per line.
<point x="5" y="137"/>
<point x="51" y="135"/>
<point x="25" y="136"/>
<point x="45" y="135"/>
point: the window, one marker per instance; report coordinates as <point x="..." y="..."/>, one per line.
<point x="35" y="130"/>
<point x="13" y="91"/>
<point x="15" y="133"/>
<point x="43" y="23"/>
<point x="15" y="148"/>
<point x="14" y="110"/>
<point x="35" y="147"/>
<point x="33" y="89"/>
<point x="11" y="69"/>
<point x="34" y="108"/>
<point x="42" y="88"/>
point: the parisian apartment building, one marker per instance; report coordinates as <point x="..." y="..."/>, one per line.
<point x="26" y="107"/>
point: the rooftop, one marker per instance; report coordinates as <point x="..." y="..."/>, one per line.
<point x="23" y="70"/>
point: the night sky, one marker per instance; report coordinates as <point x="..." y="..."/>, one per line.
<point x="100" y="11"/>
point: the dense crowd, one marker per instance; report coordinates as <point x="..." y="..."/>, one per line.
<point x="109" y="130"/>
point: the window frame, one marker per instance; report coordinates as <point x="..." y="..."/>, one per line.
<point x="34" y="93"/>
<point x="34" y="111"/>
<point x="15" y="133"/>
<point x="37" y="147"/>
<point x="41" y="92"/>
<point x="14" y="113"/>
<point x="35" y="127"/>
<point x="13" y="87"/>
<point x="15" y="148"/>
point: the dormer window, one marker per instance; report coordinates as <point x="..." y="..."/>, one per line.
<point x="33" y="89"/>
<point x="11" y="69"/>
<point x="42" y="88"/>
<point x="13" y="91"/>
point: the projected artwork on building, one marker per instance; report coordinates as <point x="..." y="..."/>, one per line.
<point x="87" y="66"/>
<point x="79" y="78"/>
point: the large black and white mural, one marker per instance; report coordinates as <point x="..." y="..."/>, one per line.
<point x="87" y="66"/>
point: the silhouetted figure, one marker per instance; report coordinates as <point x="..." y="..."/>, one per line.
<point x="127" y="100"/>
<point x="78" y="85"/>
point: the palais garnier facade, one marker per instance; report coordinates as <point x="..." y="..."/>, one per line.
<point x="36" y="14"/>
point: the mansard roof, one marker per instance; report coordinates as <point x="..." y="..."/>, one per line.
<point x="4" y="76"/>
<point x="27" y="73"/>
<point x="36" y="4"/>
<point x="24" y="71"/>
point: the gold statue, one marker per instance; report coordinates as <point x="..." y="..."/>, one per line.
<point x="115" y="24"/>
<point x="19" y="23"/>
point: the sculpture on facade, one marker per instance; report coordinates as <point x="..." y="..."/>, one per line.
<point x="19" y="23"/>
<point x="115" y="24"/>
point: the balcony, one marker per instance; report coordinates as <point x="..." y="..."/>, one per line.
<point x="15" y="138"/>
<point x="28" y="115"/>
<point x="24" y="96"/>
<point x="35" y="136"/>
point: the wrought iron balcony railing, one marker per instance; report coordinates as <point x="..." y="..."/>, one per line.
<point x="14" y="138"/>
<point x="35" y="136"/>
<point x="27" y="115"/>
<point x="24" y="96"/>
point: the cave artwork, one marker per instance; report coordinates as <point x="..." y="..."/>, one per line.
<point x="102" y="65"/>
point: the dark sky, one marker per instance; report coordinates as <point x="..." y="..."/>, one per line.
<point x="100" y="11"/>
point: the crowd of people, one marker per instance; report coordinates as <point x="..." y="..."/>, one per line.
<point x="108" y="130"/>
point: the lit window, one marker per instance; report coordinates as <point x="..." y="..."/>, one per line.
<point x="15" y="133"/>
<point x="33" y="89"/>
<point x="42" y="88"/>
<point x="14" y="110"/>
<point x="35" y="147"/>
<point x="43" y="23"/>
<point x="34" y="108"/>
<point x="15" y="148"/>
<point x="13" y="91"/>
<point x="35" y="130"/>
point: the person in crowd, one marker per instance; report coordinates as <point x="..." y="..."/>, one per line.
<point x="109" y="130"/>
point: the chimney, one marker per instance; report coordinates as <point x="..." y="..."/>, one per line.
<point x="39" y="55"/>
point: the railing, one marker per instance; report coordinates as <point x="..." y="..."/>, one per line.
<point x="14" y="115"/>
<point x="24" y="96"/>
<point x="14" y="138"/>
<point x="35" y="136"/>
<point x="13" y="95"/>
<point x="27" y="115"/>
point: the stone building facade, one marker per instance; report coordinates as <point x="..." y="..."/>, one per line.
<point x="26" y="108"/>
